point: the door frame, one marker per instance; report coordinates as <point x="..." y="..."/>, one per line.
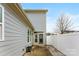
<point x="38" y="38"/>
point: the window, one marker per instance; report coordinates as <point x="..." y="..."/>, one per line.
<point x="28" y="36"/>
<point x="1" y="23"/>
<point x="36" y="38"/>
<point x="40" y="38"/>
<point x="0" y="14"/>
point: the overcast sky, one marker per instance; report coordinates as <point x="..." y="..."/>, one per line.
<point x="54" y="11"/>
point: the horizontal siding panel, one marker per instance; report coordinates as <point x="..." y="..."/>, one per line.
<point x="10" y="17"/>
<point x="12" y="47"/>
<point x="9" y="42"/>
<point x="15" y="35"/>
<point x="7" y="23"/>
<point x="11" y="50"/>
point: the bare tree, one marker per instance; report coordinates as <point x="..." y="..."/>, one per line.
<point x="63" y="23"/>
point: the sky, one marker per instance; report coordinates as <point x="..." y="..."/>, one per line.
<point x="54" y="11"/>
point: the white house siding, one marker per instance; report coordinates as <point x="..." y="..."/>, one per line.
<point x="38" y="20"/>
<point x="15" y="35"/>
<point x="66" y="43"/>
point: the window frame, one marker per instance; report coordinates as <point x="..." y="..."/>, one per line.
<point x="2" y="23"/>
<point x="36" y="38"/>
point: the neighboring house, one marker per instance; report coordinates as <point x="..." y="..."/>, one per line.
<point x="38" y="19"/>
<point x="18" y="30"/>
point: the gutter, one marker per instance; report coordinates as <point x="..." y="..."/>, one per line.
<point x="20" y="12"/>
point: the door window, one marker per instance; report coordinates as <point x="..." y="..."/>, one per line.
<point x="36" y="38"/>
<point x="40" y="38"/>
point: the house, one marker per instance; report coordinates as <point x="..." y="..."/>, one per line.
<point x="38" y="19"/>
<point x="16" y="30"/>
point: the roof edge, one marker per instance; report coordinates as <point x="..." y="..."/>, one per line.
<point x="20" y="12"/>
<point x="35" y="10"/>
